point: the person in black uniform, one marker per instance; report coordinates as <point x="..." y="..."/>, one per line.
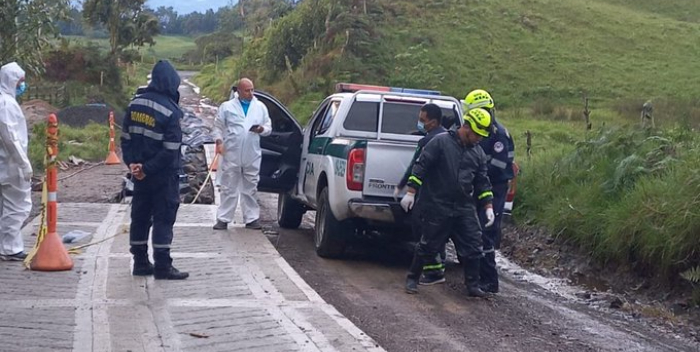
<point x="150" y="141"/>
<point x="451" y="176"/>
<point x="429" y="123"/>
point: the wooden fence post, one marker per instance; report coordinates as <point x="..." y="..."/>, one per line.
<point x="587" y="115"/>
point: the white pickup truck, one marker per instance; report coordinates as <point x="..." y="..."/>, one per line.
<point x="346" y="163"/>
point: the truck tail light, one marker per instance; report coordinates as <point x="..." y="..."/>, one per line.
<point x="355" y="174"/>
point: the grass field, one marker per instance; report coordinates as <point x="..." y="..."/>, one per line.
<point x="166" y="47"/>
<point x="89" y="143"/>
<point x="559" y="50"/>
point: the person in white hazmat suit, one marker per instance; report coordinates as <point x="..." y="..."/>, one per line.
<point x="238" y="127"/>
<point x="15" y="169"/>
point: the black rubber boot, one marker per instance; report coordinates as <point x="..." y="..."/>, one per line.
<point x="471" y="277"/>
<point x="432" y="278"/>
<point x="142" y="266"/>
<point x="411" y="285"/>
<point x="170" y="274"/>
<point x="489" y="288"/>
<point x="488" y="273"/>
<point x="414" y="273"/>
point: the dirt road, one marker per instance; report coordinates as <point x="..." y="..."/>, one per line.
<point x="368" y="289"/>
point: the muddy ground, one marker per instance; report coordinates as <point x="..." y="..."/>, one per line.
<point x="367" y="287"/>
<point x="532" y="313"/>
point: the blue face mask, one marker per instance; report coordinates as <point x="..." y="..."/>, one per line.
<point x="421" y="126"/>
<point x="244" y="101"/>
<point x="21" y="89"/>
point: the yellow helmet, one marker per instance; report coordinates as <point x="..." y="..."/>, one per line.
<point x="478" y="98"/>
<point x="479" y="120"/>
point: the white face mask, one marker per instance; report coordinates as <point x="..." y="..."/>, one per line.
<point x="421" y="126"/>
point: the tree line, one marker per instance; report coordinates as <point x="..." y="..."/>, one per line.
<point x="169" y="22"/>
<point x="27" y="27"/>
<point x="245" y="14"/>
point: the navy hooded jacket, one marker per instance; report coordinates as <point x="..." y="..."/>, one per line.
<point x="151" y="133"/>
<point x="500" y="152"/>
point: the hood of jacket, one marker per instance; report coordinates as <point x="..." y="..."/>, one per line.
<point x="10" y="74"/>
<point x="165" y="80"/>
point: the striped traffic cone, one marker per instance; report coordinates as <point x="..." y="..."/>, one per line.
<point x="49" y="254"/>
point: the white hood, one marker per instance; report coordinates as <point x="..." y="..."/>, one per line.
<point x="10" y="74"/>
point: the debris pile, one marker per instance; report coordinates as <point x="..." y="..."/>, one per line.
<point x="194" y="164"/>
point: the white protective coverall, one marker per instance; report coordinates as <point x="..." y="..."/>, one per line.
<point x="15" y="169"/>
<point x="239" y="168"/>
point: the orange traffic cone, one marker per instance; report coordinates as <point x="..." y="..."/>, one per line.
<point x="112" y="158"/>
<point x="49" y="254"/>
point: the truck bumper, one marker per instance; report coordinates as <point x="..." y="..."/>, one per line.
<point x="371" y="210"/>
<point x="388" y="212"/>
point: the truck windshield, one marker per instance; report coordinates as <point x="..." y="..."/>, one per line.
<point x="399" y="117"/>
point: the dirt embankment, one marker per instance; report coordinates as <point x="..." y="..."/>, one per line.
<point x="37" y="111"/>
<point x="609" y="286"/>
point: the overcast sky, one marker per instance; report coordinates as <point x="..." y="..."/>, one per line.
<point x="186" y="6"/>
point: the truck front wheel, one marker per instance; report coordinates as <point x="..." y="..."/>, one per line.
<point x="330" y="235"/>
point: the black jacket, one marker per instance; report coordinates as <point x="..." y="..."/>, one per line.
<point x="421" y="144"/>
<point x="151" y="133"/>
<point x="454" y="175"/>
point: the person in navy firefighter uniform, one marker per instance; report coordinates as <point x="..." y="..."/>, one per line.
<point x="150" y="141"/>
<point x="500" y="152"/>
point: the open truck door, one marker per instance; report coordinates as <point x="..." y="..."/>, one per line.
<point x="281" y="150"/>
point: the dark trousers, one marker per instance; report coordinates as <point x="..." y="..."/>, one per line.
<point x="436" y="267"/>
<point x="155" y="203"/>
<point x="437" y="226"/>
<point x="492" y="235"/>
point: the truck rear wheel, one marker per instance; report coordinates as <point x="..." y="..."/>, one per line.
<point x="289" y="211"/>
<point x="330" y="234"/>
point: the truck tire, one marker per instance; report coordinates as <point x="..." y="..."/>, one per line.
<point x="330" y="234"/>
<point x="289" y="211"/>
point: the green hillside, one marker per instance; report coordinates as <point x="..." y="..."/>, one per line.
<point x="522" y="51"/>
<point x="681" y="10"/>
<point x="558" y="49"/>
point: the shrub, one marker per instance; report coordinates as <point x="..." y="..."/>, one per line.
<point x="85" y="64"/>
